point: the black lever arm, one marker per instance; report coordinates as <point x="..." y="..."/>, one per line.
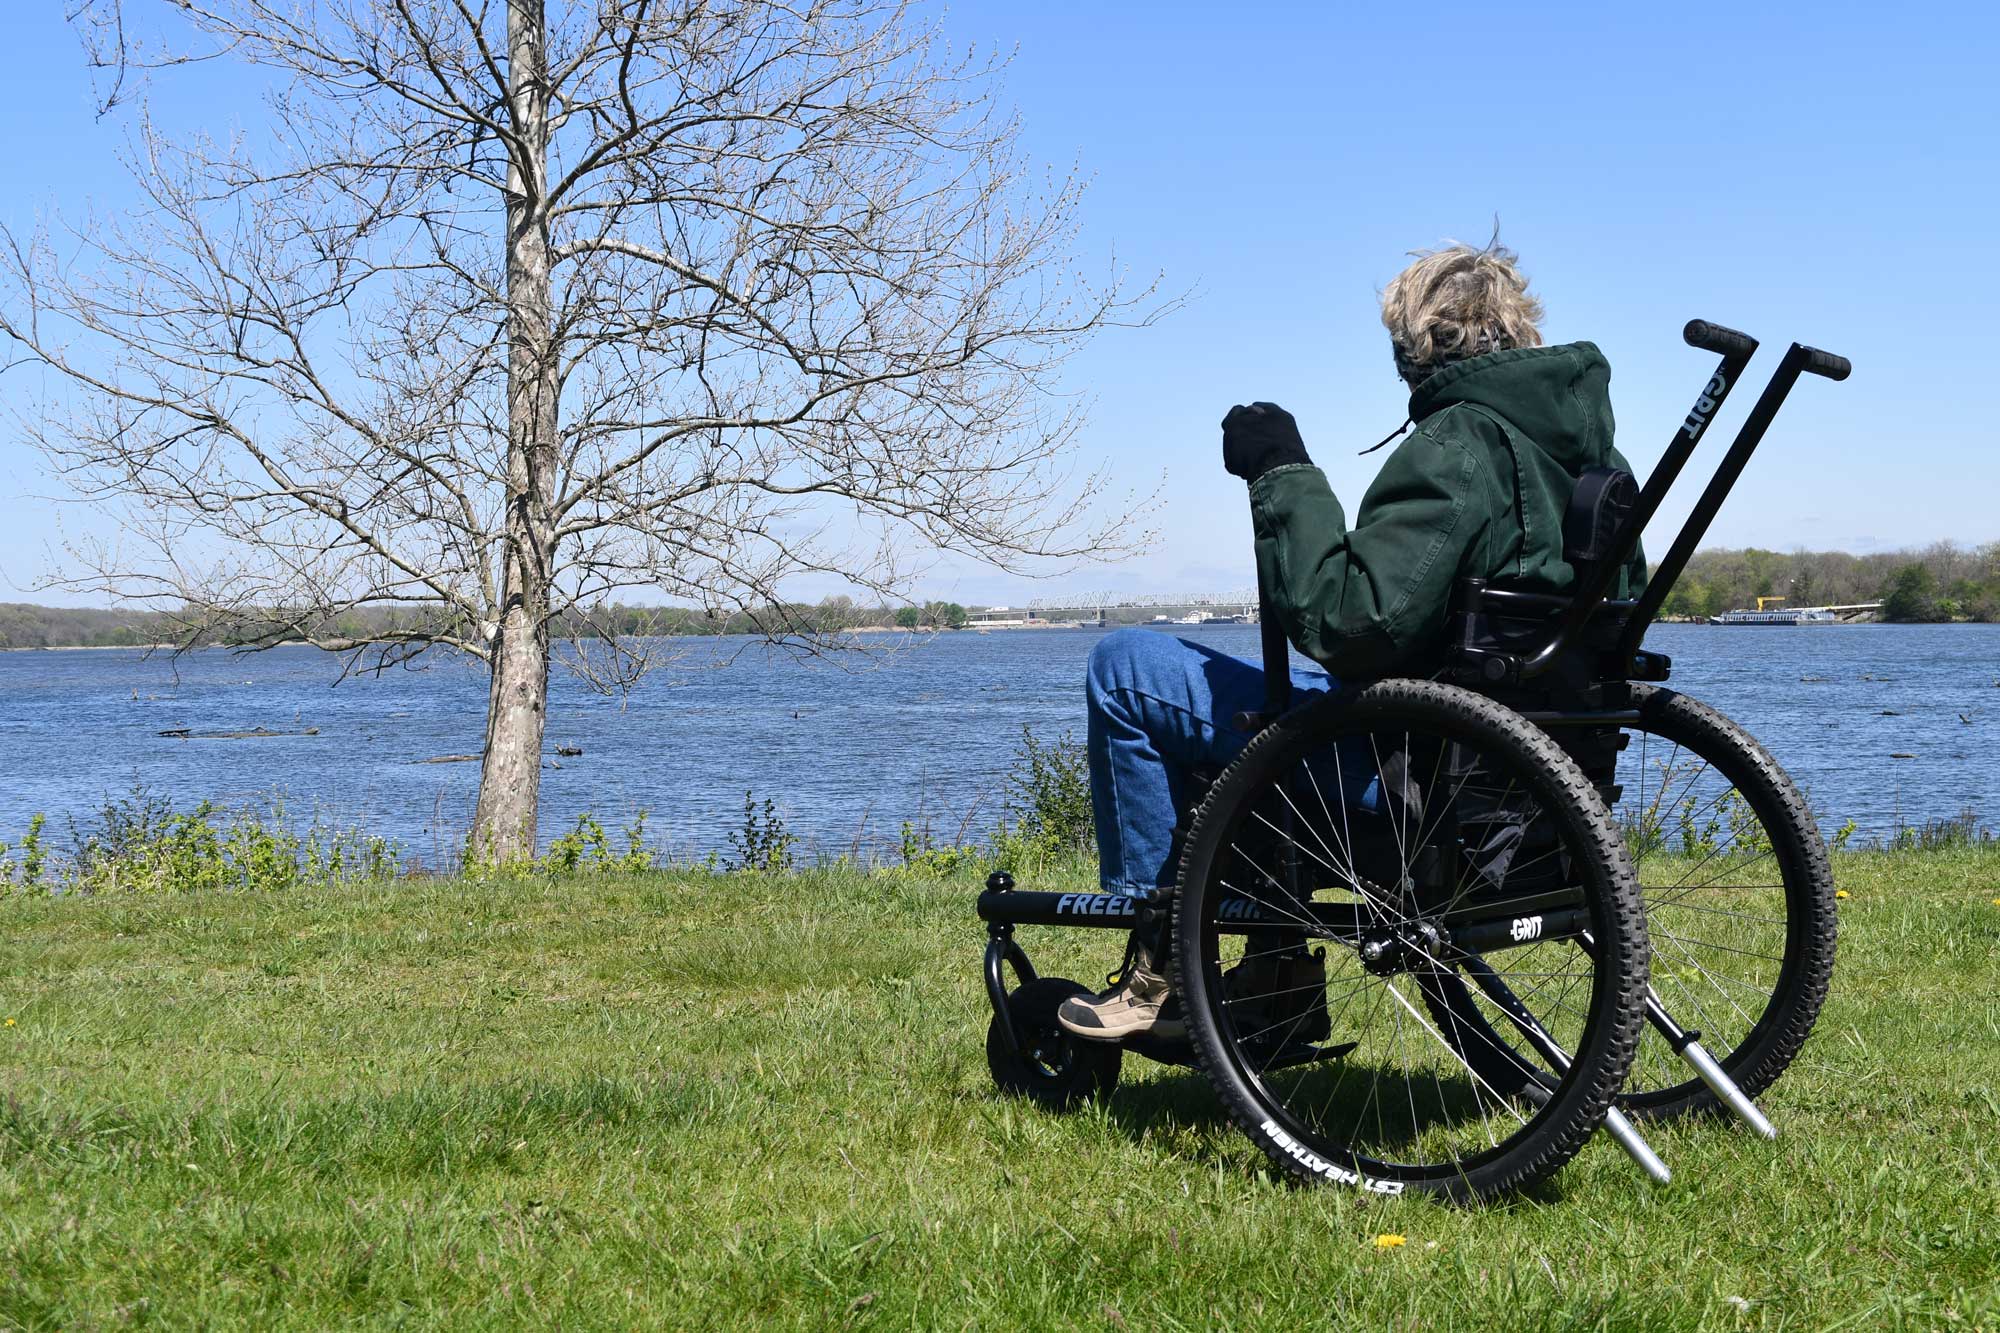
<point x="1799" y="359"/>
<point x="1735" y="349"/>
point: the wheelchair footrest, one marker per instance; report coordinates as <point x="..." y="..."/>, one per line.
<point x="1291" y="1057"/>
<point x="1178" y="1051"/>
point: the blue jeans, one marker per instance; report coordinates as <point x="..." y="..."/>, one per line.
<point x="1160" y="707"/>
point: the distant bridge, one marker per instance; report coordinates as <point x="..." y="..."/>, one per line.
<point x="1086" y="607"/>
<point x="1242" y="602"/>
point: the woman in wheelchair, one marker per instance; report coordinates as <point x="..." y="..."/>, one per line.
<point x="1503" y="428"/>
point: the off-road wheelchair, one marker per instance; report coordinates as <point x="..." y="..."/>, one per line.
<point x="1413" y="919"/>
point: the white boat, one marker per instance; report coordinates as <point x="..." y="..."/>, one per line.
<point x="1198" y="618"/>
<point x="1796" y="615"/>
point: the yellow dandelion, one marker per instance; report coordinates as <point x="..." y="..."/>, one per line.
<point x="1996" y="903"/>
<point x="1840" y="893"/>
<point x="1389" y="1241"/>
<point x="10" y="1022"/>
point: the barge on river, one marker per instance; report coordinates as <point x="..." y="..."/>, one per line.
<point x="1766" y="614"/>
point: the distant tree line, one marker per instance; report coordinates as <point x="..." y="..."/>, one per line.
<point x="26" y="626"/>
<point x="1941" y="582"/>
<point x="932" y="615"/>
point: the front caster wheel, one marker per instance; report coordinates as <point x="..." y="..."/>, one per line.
<point x="1052" y="1067"/>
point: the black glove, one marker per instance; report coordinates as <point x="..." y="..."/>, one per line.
<point x="1259" y="437"/>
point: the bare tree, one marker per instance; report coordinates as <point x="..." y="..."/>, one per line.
<point x="510" y="307"/>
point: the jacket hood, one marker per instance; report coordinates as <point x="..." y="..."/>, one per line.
<point x="1559" y="397"/>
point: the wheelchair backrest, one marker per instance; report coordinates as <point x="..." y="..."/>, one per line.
<point x="1504" y="638"/>
<point x="1603" y="499"/>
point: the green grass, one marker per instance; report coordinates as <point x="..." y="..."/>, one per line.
<point x="693" y="1101"/>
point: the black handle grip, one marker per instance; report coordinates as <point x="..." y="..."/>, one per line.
<point x="1277" y="657"/>
<point x="1714" y="338"/>
<point x="1826" y="363"/>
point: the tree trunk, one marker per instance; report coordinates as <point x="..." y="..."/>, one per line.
<point x="510" y="776"/>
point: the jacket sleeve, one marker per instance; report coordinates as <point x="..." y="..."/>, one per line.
<point x="1363" y="600"/>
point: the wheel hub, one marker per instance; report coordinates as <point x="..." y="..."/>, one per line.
<point x="1387" y="950"/>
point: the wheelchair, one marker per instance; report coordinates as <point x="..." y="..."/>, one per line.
<point x="1430" y="935"/>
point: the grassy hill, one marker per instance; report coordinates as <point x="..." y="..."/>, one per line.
<point x="720" y="1101"/>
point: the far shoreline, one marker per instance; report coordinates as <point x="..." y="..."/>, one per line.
<point x="912" y="633"/>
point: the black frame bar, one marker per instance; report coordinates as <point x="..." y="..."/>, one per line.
<point x="1277" y="658"/>
<point x="1525" y="920"/>
<point x="1001" y="949"/>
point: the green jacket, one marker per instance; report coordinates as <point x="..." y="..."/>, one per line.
<point x="1478" y="489"/>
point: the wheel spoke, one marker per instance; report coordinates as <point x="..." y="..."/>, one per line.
<point x="1380" y="1057"/>
<point x="1730" y="867"/>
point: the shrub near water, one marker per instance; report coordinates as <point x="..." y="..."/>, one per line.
<point x="140" y="843"/>
<point x="1046" y="825"/>
<point x="761" y="842"/>
<point x="584" y="850"/>
<point x="1048" y="793"/>
<point x="1961" y="830"/>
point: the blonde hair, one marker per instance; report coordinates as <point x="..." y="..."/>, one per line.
<point x="1458" y="302"/>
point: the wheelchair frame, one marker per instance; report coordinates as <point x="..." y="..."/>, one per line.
<point x="1568" y="671"/>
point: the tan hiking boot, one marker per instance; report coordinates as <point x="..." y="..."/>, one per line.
<point x="1141" y="1001"/>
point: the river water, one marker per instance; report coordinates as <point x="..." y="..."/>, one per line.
<point x="920" y="730"/>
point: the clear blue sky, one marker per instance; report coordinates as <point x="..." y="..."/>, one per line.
<point x="1824" y="172"/>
